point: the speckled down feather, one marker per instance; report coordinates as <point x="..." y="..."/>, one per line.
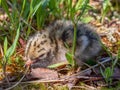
<point x="47" y="47"/>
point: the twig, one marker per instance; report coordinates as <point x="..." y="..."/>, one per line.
<point x="27" y="24"/>
<point x="86" y="87"/>
<point x="19" y="80"/>
<point x="77" y="74"/>
<point x="82" y="72"/>
<point x="64" y="79"/>
<point x="89" y="67"/>
<point x="35" y="81"/>
<point x="21" y="50"/>
<point x="57" y="80"/>
<point x="101" y="64"/>
<point x="46" y="81"/>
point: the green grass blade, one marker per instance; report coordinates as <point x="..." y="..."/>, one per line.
<point x="57" y="65"/>
<point x="5" y="45"/>
<point x="11" y="50"/>
<point x="23" y="7"/>
<point x="36" y="8"/>
<point x="0" y="2"/>
<point x="31" y="10"/>
<point x="70" y="60"/>
<point x="83" y="8"/>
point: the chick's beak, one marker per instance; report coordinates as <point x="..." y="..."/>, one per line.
<point x="28" y="62"/>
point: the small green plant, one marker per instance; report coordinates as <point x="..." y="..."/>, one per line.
<point x="106" y="8"/>
<point x="107" y="75"/>
<point x="72" y="10"/>
<point x="9" y="51"/>
<point x="108" y="72"/>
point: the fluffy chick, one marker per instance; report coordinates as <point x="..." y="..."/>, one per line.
<point x="58" y="34"/>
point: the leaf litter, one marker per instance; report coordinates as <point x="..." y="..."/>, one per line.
<point x="90" y="76"/>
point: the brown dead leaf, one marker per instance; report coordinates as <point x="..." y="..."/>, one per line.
<point x="43" y="73"/>
<point x="22" y="42"/>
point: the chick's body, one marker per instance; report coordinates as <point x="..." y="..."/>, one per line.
<point x="47" y="47"/>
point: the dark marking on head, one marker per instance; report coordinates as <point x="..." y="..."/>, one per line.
<point x="56" y="43"/>
<point x="44" y="36"/>
<point x="41" y="50"/>
<point x="42" y="42"/>
<point x="42" y="55"/>
<point x="34" y="49"/>
<point x="38" y="46"/>
<point x="34" y="44"/>
<point x="48" y="54"/>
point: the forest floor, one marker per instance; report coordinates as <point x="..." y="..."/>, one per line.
<point x="103" y="75"/>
